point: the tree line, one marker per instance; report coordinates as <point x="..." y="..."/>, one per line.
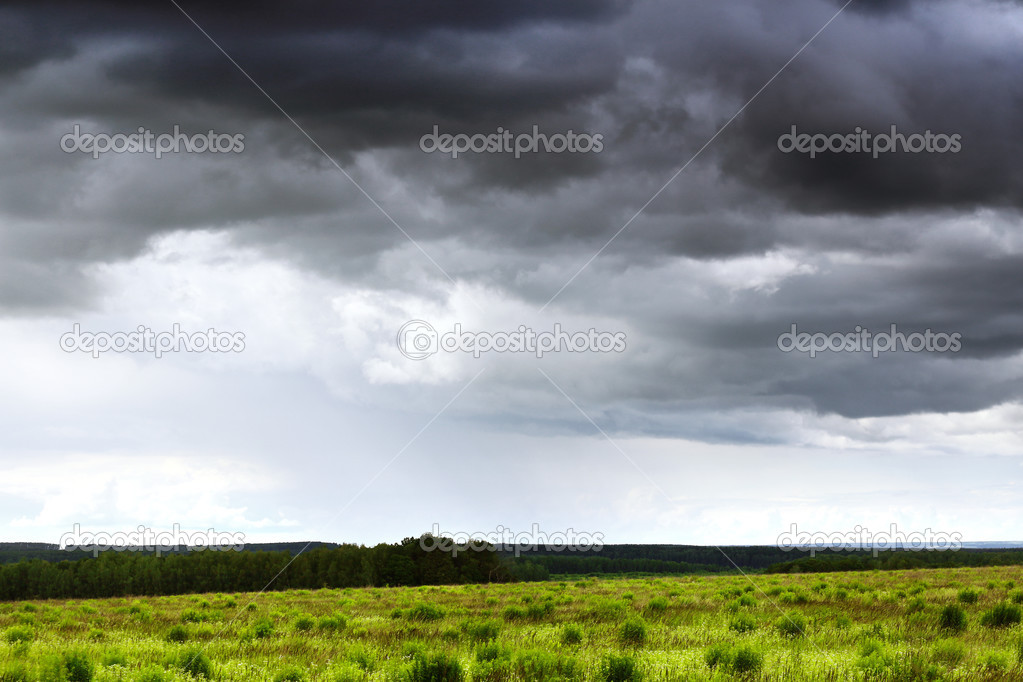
<point x="124" y="573"/>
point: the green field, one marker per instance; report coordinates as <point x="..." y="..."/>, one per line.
<point x="956" y="624"/>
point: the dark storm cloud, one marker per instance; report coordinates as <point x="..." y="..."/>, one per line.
<point x="657" y="79"/>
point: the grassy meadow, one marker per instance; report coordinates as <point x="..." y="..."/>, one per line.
<point x="955" y="624"/>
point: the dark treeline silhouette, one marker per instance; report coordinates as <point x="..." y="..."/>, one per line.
<point x="864" y="560"/>
<point x="124" y="573"/>
<point x="654" y="558"/>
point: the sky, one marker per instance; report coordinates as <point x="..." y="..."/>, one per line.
<point x="332" y="245"/>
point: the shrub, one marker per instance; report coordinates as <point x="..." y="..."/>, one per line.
<point x="968" y="596"/>
<point x="539" y="610"/>
<point x="435" y="667"/>
<point x="304" y="623"/>
<point x="657" y="605"/>
<point x="19" y="633"/>
<point x="263" y="628"/>
<point x="619" y="668"/>
<point x="14" y="672"/>
<point x="571" y="634"/>
<point x="719" y="654"/>
<point x="916" y="604"/>
<point x="291" y="674"/>
<point x="539" y="665"/>
<point x="513" y="613"/>
<point x="332" y="623"/>
<point x="113" y="657"/>
<point x="1016" y="596"/>
<point x="743" y="622"/>
<point x="949" y="651"/>
<point x="345" y="672"/>
<point x="177" y="633"/>
<point x="632" y="632"/>
<point x="424" y="612"/>
<point x="791" y="625"/>
<point x="953" y="618"/>
<point x="194" y="662"/>
<point x="77" y="667"/>
<point x="995" y="661"/>
<point x="747" y="660"/>
<point x="482" y="630"/>
<point x="607" y="610"/>
<point x="1002" y="615"/>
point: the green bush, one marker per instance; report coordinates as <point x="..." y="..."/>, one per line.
<point x="571" y="634"/>
<point x="619" y="668"/>
<point x="953" y="618"/>
<point x="792" y="624"/>
<point x="1002" y="615"/>
<point x="361" y="656"/>
<point x="14" y="672"/>
<point x="482" y="630"/>
<point x="77" y="667"/>
<point x="719" y="655"/>
<point x="19" y="633"/>
<point x="113" y="657"/>
<point x="1016" y="596"/>
<point x="291" y="674"/>
<point x="335" y="623"/>
<point x="263" y="628"/>
<point x="513" y="613"/>
<point x="435" y="667"/>
<point x="192" y="661"/>
<point x="304" y="623"/>
<point x="537" y="665"/>
<point x="177" y="633"/>
<point x="152" y="674"/>
<point x="633" y="632"/>
<point x="424" y="612"/>
<point x="656" y="606"/>
<point x="747" y="660"/>
<point x="950" y="652"/>
<point x="968" y="596"/>
<point x="743" y="622"/>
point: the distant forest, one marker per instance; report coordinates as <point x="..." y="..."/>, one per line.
<point x="40" y="571"/>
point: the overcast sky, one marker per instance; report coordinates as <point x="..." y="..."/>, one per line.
<point x="689" y="232"/>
